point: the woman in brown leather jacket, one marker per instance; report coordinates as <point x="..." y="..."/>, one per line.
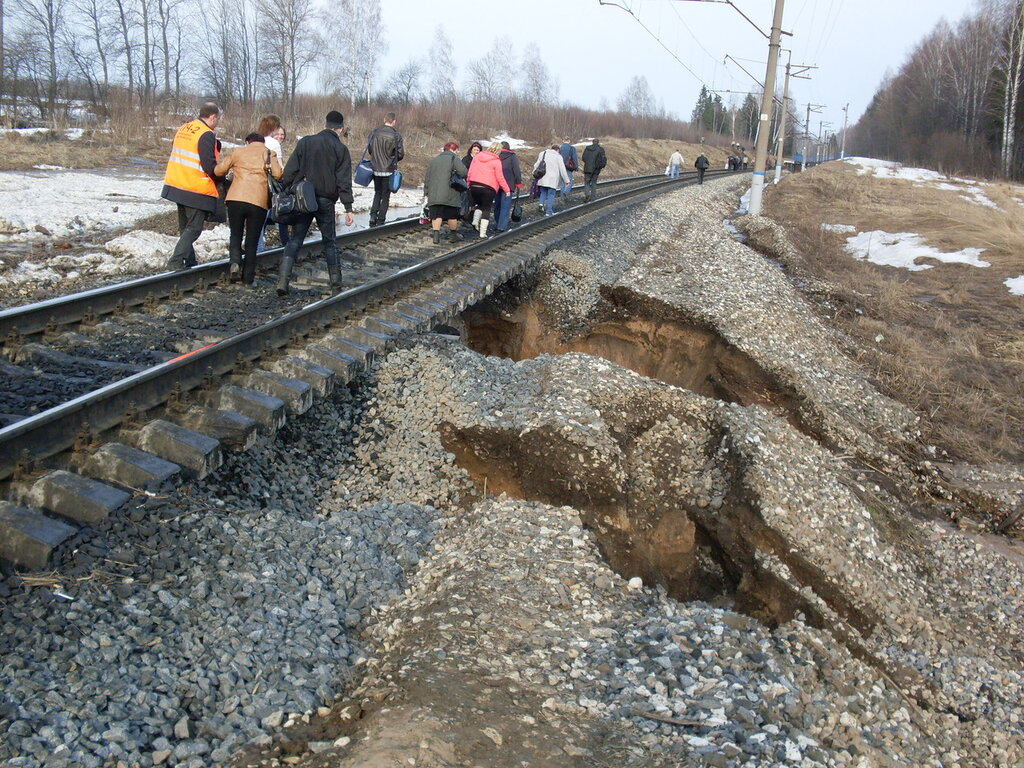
<point x="247" y="201"/>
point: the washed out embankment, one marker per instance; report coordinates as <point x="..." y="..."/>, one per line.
<point x="709" y="498"/>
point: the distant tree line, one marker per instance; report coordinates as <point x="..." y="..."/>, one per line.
<point x="956" y="103"/>
<point x="65" y="61"/>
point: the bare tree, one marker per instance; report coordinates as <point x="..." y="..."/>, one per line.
<point x="637" y="98"/>
<point x="403" y="86"/>
<point x="288" y="31"/>
<point x="1011" y="65"/>
<point x="442" y="67"/>
<point x="491" y="75"/>
<point x="537" y="84"/>
<point x="125" y="28"/>
<point x="44" y="21"/>
<point x="356" y="27"/>
<point x="93" y="50"/>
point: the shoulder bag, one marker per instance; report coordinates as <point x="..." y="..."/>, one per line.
<point x="541" y="169"/>
<point x="274" y="187"/>
<point x="290" y="205"/>
<point x="395" y="181"/>
<point x="364" y="170"/>
<point x="458" y="183"/>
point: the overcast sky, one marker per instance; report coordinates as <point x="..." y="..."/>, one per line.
<point x="595" y="50"/>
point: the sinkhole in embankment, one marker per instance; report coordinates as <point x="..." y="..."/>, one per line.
<point x="645" y="523"/>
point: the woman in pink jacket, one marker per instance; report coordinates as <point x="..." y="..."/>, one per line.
<point x="485" y="179"/>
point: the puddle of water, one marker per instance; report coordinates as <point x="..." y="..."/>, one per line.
<point x="735" y="233"/>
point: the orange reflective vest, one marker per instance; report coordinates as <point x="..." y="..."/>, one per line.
<point x="185" y="181"/>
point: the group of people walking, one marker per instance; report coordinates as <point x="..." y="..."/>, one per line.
<point x="484" y="185"/>
<point x="195" y="169"/>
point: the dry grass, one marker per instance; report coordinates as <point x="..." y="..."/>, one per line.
<point x="951" y="343"/>
<point x="423" y="140"/>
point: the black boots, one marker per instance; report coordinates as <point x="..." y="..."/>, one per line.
<point x="436" y="235"/>
<point x="284" y="272"/>
<point x="334" y="271"/>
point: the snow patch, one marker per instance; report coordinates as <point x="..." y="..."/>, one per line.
<point x="69" y="203"/>
<point x="902" y="249"/>
<point x="1015" y="284"/>
<point x="512" y="143"/>
<point x="840" y="228"/>
<point x="969" y="190"/>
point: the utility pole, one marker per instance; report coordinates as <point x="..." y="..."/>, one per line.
<point x="801" y="68"/>
<point x="842" y="147"/>
<point x="807" y="134"/>
<point x="767" y="103"/>
<point x="807" y="137"/>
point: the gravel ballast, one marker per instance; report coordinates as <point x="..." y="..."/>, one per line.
<point x="353" y="556"/>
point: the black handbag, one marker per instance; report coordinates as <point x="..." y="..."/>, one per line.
<point x="541" y="169"/>
<point x="456" y="182"/>
<point x="219" y="214"/>
<point x="517" y="209"/>
<point x="274" y="187"/>
<point x="288" y="206"/>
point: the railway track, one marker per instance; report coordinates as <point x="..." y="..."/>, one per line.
<point x="153" y="379"/>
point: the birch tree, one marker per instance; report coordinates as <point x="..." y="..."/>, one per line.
<point x="441" y="67"/>
<point x="356" y="27"/>
<point x="1011" y="62"/>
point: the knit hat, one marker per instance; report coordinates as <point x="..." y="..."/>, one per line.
<point x="335" y="119"/>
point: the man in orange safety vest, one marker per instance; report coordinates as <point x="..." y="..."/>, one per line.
<point x="190" y="182"/>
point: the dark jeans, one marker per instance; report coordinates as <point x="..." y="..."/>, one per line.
<point x="190" y="226"/>
<point x="381" y="199"/>
<point x="502" y="210"/>
<point x="328" y="230"/>
<point x="248" y="219"/>
<point x="700" y="175"/>
<point x="590" y="185"/>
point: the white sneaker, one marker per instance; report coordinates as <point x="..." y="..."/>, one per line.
<point x="477" y="214"/>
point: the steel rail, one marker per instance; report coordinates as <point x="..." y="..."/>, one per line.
<point x="35" y="318"/>
<point x="56" y="429"/>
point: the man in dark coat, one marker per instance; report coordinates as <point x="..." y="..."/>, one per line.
<point x="572" y="162"/>
<point x="323" y="160"/>
<point x="701" y="164"/>
<point x="386" y="152"/>
<point x="514" y="178"/>
<point x="594" y="160"/>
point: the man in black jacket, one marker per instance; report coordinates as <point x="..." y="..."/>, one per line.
<point x="594" y="160"/>
<point x="386" y="152"/>
<point x="701" y="164"/>
<point x="323" y="160"/>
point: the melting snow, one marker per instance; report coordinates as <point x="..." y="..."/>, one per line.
<point x="512" y="143"/>
<point x="71" y="203"/>
<point x="1015" y="284"/>
<point x="840" y="228"/>
<point x="886" y="169"/>
<point x="902" y="249"/>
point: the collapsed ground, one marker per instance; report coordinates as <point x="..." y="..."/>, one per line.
<point x="774" y="597"/>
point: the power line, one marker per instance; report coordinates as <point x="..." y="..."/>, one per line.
<point x="670" y="52"/>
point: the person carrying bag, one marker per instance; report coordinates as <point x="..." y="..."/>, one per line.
<point x="254" y="168"/>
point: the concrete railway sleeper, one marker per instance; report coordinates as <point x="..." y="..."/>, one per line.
<point x="52" y="361"/>
<point x="370" y="247"/>
<point x="80" y="461"/>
